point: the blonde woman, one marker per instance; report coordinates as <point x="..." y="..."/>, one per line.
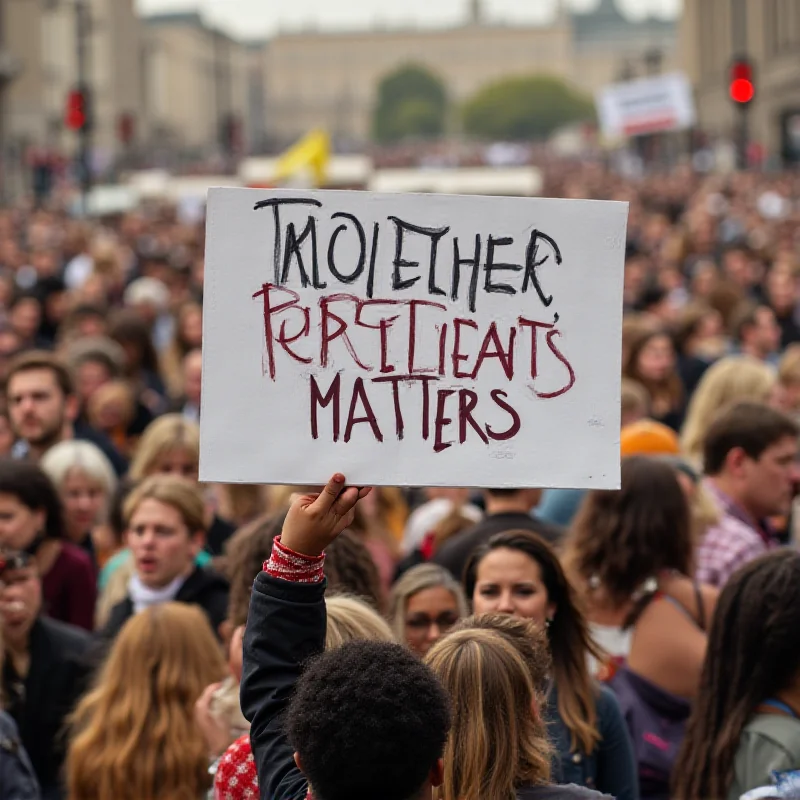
<point x="134" y="735"/>
<point x="165" y="522"/>
<point x="85" y="481"/>
<point x="352" y="620"/>
<point x="170" y="445"/>
<point x="498" y="746"/>
<point x="424" y="604"/>
<point x="729" y="381"/>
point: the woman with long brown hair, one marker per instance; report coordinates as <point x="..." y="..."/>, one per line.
<point x="498" y="746"/>
<point x="134" y="734"/>
<point x="519" y="574"/>
<point x="653" y="363"/>
<point x="630" y="554"/>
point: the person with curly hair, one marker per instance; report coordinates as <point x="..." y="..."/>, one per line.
<point x="364" y="720"/>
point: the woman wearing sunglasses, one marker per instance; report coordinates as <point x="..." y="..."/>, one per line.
<point x="425" y="603"/>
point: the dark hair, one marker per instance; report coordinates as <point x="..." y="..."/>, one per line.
<point x="349" y="567"/>
<point x="245" y="552"/>
<point x="29" y="484"/>
<point x="568" y="634"/>
<point x="500" y="493"/>
<point x="745" y="316"/>
<point x="753" y="427"/>
<point x="41" y="359"/>
<point x="624" y="537"/>
<point x="86" y="311"/>
<point x="116" y="516"/>
<point x="688" y="324"/>
<point x="21" y="297"/>
<point x="652" y="295"/>
<point x="127" y="327"/>
<point x="368" y="720"/>
<point x="671" y="384"/>
<point x="753" y="653"/>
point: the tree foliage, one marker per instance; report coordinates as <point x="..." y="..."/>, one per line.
<point x="412" y="102"/>
<point x="524" y="108"/>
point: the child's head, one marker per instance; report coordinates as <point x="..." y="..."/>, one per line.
<point x="368" y="720"/>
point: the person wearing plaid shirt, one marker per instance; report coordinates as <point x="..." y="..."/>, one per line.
<point x="750" y="454"/>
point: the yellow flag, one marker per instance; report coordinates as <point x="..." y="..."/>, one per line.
<point x="310" y="153"/>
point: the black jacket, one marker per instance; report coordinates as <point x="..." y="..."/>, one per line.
<point x="57" y="677"/>
<point x="17" y="778"/>
<point x="285" y="627"/>
<point x="203" y="588"/>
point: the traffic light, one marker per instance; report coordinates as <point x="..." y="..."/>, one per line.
<point x="78" y="114"/>
<point x="741" y="84"/>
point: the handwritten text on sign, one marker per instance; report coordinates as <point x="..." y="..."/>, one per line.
<point x="412" y="339"/>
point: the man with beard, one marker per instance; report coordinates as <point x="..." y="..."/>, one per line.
<point x="43" y="408"/>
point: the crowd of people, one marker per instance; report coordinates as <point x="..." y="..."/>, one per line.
<point x="164" y="639"/>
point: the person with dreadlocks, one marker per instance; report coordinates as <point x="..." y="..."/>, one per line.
<point x="745" y="725"/>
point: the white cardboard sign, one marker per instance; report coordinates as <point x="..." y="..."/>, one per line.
<point x="424" y="340"/>
<point x="647" y="105"/>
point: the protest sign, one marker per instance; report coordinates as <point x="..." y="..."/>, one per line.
<point x="655" y="104"/>
<point x="424" y="340"/>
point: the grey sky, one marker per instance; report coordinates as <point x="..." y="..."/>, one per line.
<point x="252" y="18"/>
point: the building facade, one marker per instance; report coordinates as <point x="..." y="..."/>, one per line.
<point x="43" y="38"/>
<point x="713" y="33"/>
<point x="198" y="83"/>
<point x="329" y="79"/>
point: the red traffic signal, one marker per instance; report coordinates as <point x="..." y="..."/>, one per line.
<point x="741" y="86"/>
<point x="76" y="117"/>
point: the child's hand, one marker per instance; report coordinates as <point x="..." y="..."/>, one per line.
<point x="315" y="520"/>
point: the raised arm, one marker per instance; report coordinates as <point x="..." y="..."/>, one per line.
<point x="286" y="626"/>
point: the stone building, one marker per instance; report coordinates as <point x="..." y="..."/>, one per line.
<point x="329" y="79"/>
<point x="712" y="33"/>
<point x="42" y="38"/>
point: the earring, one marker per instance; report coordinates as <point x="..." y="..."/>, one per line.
<point x="548" y="622"/>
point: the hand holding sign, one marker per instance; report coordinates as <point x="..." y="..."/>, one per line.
<point x="314" y="521"/>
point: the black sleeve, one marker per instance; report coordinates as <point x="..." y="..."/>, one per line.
<point x="285" y="627"/>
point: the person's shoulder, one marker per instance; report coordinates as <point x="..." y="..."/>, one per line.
<point x="203" y="581"/>
<point x="606" y="699"/>
<point x="732" y="530"/>
<point x="75" y="556"/>
<point x="547" y="530"/>
<point x="67" y="639"/>
<point x="776" y="729"/>
<point x="8" y="728"/>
